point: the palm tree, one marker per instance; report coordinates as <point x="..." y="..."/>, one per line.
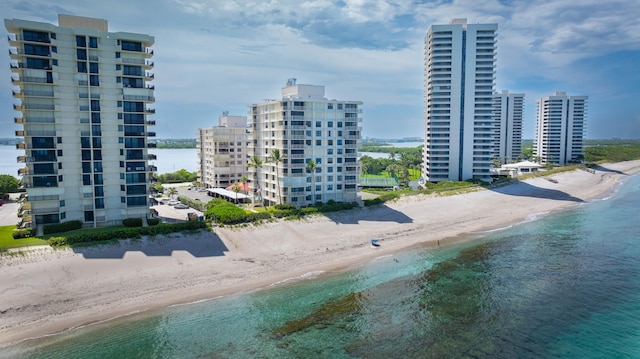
<point x="256" y="164"/>
<point x="243" y="180"/>
<point x="311" y="167"/>
<point x="276" y="157"/>
<point x="236" y="188"/>
<point x="172" y="191"/>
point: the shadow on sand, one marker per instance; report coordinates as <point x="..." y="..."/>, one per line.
<point x="605" y="169"/>
<point x="524" y="189"/>
<point x="379" y="213"/>
<point x="199" y="244"/>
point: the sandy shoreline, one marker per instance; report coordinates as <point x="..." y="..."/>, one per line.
<point x="47" y="291"/>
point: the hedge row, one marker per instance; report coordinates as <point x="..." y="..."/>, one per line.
<point x="23" y="233"/>
<point x="124" y="232"/>
<point x="381" y="199"/>
<point x="132" y="222"/>
<point x="192" y="203"/>
<point x="62" y="227"/>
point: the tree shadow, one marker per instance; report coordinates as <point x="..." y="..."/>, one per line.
<point x="524" y="189"/>
<point x="377" y="213"/>
<point x="199" y="244"/>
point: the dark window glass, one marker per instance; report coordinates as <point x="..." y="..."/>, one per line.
<point x="131" y="45"/>
<point x="93" y="42"/>
<point x="97" y="142"/>
<point x="81" y="41"/>
<point x="82" y="66"/>
<point x="81" y="54"/>
<point x="36" y="36"/>
<point x="99" y="202"/>
<point x="86" y="180"/>
<point x="88" y="216"/>
<point x="94" y="80"/>
<point x="93" y="67"/>
<point x="85" y="142"/>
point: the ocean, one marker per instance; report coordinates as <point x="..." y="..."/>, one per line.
<point x="565" y="285"/>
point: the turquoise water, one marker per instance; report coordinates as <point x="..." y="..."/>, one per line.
<point x="565" y="286"/>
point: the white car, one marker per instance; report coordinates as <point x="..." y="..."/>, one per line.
<point x="173" y="202"/>
<point x="181" y="206"/>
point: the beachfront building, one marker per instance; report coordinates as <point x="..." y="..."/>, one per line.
<point x="561" y="122"/>
<point x="222" y="152"/>
<point x="83" y="95"/>
<point x="508" y="112"/>
<point x="304" y="126"/>
<point x="459" y="75"/>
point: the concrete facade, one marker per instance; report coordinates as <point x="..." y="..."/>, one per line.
<point x="304" y="125"/>
<point x="561" y="124"/>
<point x="83" y="95"/>
<point x="508" y="113"/>
<point x="458" y="88"/>
<point x="223" y="151"/>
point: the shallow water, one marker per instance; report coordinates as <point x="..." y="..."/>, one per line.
<point x="565" y="285"/>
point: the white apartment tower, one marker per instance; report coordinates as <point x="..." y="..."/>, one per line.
<point x="222" y="151"/>
<point x="508" y="113"/>
<point x="561" y="122"/>
<point x="84" y="96"/>
<point x="304" y="125"/>
<point x="458" y="85"/>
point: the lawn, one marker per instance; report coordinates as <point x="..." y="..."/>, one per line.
<point x="7" y="241"/>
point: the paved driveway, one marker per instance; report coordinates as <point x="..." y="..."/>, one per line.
<point x="9" y="214"/>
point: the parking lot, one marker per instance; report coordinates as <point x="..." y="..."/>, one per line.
<point x="9" y="214"/>
<point x="179" y="214"/>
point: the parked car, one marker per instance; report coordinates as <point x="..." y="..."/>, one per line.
<point x="173" y="202"/>
<point x="181" y="206"/>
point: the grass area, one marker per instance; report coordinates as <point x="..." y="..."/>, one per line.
<point x="7" y="241"/>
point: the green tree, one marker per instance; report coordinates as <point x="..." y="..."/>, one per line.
<point x="172" y="192"/>
<point x="236" y="188"/>
<point x="243" y="180"/>
<point x="276" y="157"/>
<point x="256" y="164"/>
<point x="8" y="184"/>
<point x="311" y="168"/>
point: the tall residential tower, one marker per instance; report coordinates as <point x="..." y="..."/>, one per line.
<point x="560" y="128"/>
<point x="84" y="96"/>
<point x="508" y="110"/>
<point x="222" y="151"/>
<point x="458" y="84"/>
<point x="303" y="126"/>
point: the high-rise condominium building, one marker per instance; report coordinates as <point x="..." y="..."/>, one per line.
<point x="561" y="122"/>
<point x="304" y="126"/>
<point x="508" y="111"/>
<point x="84" y="98"/>
<point x="222" y="151"/>
<point x="458" y="85"/>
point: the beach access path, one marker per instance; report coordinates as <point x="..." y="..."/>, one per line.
<point x="45" y="291"/>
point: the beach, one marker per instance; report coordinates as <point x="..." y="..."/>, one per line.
<point x="46" y="291"/>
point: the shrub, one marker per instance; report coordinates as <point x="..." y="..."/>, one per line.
<point x="153" y="221"/>
<point x="226" y="214"/>
<point x="23" y="233"/>
<point x="372" y="201"/>
<point x="285" y="206"/>
<point x="256" y="216"/>
<point x="132" y="222"/>
<point x="62" y="227"/>
<point x="122" y="233"/>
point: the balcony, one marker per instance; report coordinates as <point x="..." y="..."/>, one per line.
<point x="152" y="169"/>
<point x="23" y="171"/>
<point x="152" y="157"/>
<point x="18" y="107"/>
<point x="18" y="120"/>
<point x="21" y="146"/>
<point x="19" y="133"/>
<point x="148" y="110"/>
<point x="49" y="210"/>
<point x="151" y="122"/>
<point x="151" y="145"/>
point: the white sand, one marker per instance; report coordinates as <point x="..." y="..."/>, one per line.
<point x="46" y="291"/>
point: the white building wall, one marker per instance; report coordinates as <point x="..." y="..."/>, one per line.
<point x="304" y="125"/>
<point x="458" y="123"/>
<point x="560" y="126"/>
<point x="508" y="114"/>
<point x="56" y="104"/>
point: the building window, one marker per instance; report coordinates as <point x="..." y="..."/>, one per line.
<point x="94" y="80"/>
<point x="93" y="67"/>
<point x="81" y="41"/>
<point x="62" y="203"/>
<point x="88" y="216"/>
<point x="81" y="54"/>
<point x="63" y="215"/>
<point x="93" y="42"/>
<point x="82" y="66"/>
<point x="86" y="179"/>
<point x="329" y="106"/>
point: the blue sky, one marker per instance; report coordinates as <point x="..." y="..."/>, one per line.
<point x="221" y="55"/>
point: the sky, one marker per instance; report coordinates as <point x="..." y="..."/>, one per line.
<point x="222" y="55"/>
